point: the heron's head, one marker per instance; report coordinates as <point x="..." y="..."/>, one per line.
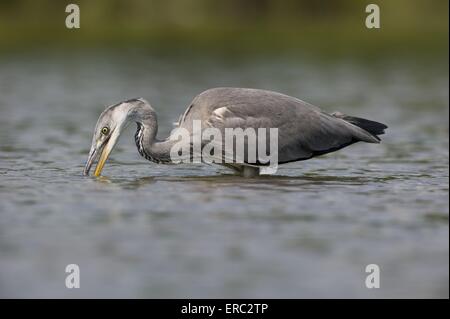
<point x="111" y="123"/>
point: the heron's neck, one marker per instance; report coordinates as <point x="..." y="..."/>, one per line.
<point x="148" y="145"/>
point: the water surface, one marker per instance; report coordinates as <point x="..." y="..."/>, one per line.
<point x="147" y="230"/>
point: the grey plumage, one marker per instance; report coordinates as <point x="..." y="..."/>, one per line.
<point x="304" y="131"/>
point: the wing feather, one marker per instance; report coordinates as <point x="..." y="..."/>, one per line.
<point x="304" y="131"/>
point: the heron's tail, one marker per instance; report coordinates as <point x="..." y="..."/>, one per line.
<point x="374" y="128"/>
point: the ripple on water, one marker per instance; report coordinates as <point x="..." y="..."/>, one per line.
<point x="197" y="230"/>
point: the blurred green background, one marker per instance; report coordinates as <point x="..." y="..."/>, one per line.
<point x="315" y="27"/>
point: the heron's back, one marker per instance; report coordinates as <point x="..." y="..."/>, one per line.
<point x="245" y="103"/>
<point x="304" y="130"/>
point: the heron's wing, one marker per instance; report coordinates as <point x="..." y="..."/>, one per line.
<point x="304" y="130"/>
<point x="302" y="133"/>
<point x="252" y="100"/>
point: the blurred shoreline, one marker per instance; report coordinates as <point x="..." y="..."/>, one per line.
<point x="328" y="30"/>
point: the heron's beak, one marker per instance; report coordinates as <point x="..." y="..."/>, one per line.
<point x="104" y="150"/>
<point x="91" y="158"/>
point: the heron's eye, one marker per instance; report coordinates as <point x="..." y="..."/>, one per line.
<point x="105" y="130"/>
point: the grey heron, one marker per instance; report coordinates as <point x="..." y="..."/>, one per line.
<point x="304" y="130"/>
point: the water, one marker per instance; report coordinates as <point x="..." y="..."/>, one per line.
<point x="147" y="230"/>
